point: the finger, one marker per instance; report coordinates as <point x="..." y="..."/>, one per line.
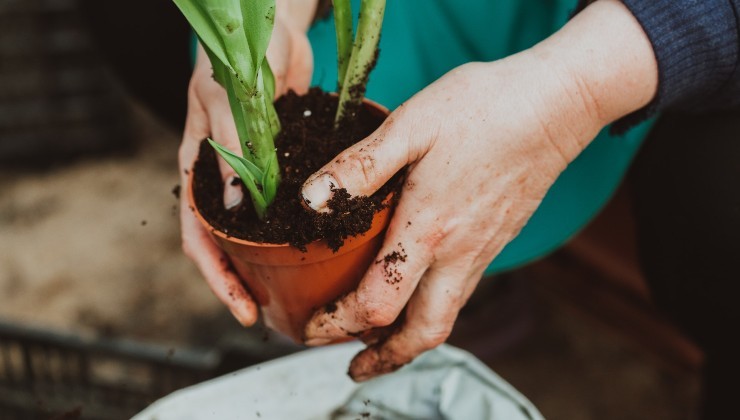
<point x="430" y="316"/>
<point x="209" y="115"/>
<point x="223" y="130"/>
<point x="216" y="268"/>
<point x="366" y="166"/>
<point x="196" y="242"/>
<point x="375" y="335"/>
<point x="278" y="52"/>
<point x="391" y="279"/>
<point x="300" y="69"/>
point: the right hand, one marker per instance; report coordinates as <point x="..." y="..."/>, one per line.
<point x="209" y="115"/>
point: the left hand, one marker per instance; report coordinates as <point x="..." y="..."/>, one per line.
<point x="484" y="144"/>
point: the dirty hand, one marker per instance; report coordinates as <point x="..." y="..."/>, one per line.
<point x="483" y="144"/>
<point x="209" y="115"/>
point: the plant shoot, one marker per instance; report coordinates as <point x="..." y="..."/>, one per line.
<point x="235" y="35"/>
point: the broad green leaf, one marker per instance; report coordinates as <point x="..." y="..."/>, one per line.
<point x="204" y="27"/>
<point x="227" y="18"/>
<point x="259" y="19"/>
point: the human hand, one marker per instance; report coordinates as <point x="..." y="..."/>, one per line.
<point x="209" y="115"/>
<point x="483" y="145"/>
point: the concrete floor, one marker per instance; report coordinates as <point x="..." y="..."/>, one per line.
<point x="93" y="247"/>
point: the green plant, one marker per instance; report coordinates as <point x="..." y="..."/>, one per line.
<point x="356" y="60"/>
<point x="235" y="35"/>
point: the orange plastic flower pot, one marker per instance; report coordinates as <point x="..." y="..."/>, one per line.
<point x="288" y="284"/>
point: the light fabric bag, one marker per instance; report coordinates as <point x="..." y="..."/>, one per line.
<point x="445" y="383"/>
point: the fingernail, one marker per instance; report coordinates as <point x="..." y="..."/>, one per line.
<point x="313" y="342"/>
<point x="232" y="193"/>
<point x="318" y="191"/>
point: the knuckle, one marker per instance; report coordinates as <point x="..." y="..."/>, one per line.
<point x="433" y="338"/>
<point x="364" y="165"/>
<point x="378" y="313"/>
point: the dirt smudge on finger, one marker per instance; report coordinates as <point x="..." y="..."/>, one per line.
<point x="390" y="265"/>
<point x="330" y="308"/>
<point x="372" y="362"/>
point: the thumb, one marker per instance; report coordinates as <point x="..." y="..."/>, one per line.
<point x="363" y="168"/>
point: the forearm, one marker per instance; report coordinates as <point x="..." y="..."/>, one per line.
<point x="606" y="68"/>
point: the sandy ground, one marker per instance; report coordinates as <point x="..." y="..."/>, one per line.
<point x="94" y="247"/>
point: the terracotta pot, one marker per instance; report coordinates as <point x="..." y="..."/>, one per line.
<point x="290" y="285"/>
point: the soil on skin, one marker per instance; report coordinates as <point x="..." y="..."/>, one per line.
<point x="306" y="143"/>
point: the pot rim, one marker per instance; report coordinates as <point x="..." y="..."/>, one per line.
<point x="214" y="231"/>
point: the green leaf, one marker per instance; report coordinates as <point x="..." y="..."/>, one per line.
<point x="241" y="167"/>
<point x="228" y="21"/>
<point x="363" y="56"/>
<point x="255" y="172"/>
<point x="259" y="19"/>
<point x="239" y="113"/>
<point x="268" y="80"/>
<point x="269" y="183"/>
<point x="204" y="27"/>
<point x="343" y="27"/>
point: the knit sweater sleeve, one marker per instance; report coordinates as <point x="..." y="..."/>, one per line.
<point x="697" y="47"/>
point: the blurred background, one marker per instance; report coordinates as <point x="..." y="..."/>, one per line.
<point x="101" y="313"/>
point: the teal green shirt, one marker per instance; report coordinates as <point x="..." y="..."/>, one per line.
<point x="423" y="39"/>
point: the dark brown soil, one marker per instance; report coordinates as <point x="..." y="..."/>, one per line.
<point x="306" y="143"/>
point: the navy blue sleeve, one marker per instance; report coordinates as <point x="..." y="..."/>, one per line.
<point x="697" y="47"/>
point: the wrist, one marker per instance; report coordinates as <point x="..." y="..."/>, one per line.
<point x="605" y="64"/>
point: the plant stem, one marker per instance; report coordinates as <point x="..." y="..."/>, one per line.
<point x="363" y="57"/>
<point x="343" y="25"/>
<point x="256" y="116"/>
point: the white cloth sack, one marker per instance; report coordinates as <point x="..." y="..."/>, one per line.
<point x="445" y="383"/>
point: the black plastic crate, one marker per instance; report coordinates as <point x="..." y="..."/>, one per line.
<point x="44" y="374"/>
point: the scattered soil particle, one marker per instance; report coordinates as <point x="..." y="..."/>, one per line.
<point x="305" y="144"/>
<point x="176" y="191"/>
<point x="143" y="222"/>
